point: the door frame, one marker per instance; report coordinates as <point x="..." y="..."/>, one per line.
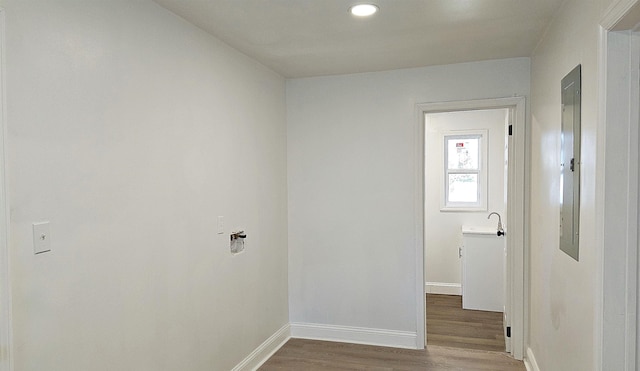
<point x="617" y="187"/>
<point x="518" y="220"/>
<point x="6" y="358"/>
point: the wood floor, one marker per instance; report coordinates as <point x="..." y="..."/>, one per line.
<point x="452" y="354"/>
<point x="451" y="326"/>
<point x="314" y="355"/>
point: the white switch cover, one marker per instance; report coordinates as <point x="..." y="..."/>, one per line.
<point x="41" y="237"/>
<point x="220" y="224"/>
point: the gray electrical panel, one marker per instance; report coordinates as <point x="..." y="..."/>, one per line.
<point x="570" y="164"/>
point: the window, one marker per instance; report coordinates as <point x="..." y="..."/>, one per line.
<point x="465" y="175"/>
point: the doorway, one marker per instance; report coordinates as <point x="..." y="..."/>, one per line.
<point x="513" y="122"/>
<point x="466" y="157"/>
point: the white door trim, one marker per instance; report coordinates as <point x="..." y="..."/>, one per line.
<point x="6" y="359"/>
<point x="617" y="204"/>
<point x="616" y="12"/>
<point x="518" y="226"/>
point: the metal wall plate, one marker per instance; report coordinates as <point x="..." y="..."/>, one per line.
<point x="570" y="164"/>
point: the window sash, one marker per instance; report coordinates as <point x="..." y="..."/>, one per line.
<point x="479" y="172"/>
<point x="461" y="138"/>
<point x="478" y="195"/>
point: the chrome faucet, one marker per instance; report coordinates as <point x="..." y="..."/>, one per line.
<point x="500" y="229"/>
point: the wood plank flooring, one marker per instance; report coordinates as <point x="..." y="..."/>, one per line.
<point x="480" y="332"/>
<point x="451" y="326"/>
<point x="314" y="355"/>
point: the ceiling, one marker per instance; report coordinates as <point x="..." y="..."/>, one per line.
<point x="301" y="38"/>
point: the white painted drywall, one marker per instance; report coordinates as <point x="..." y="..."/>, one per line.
<point x="443" y="233"/>
<point x="563" y="291"/>
<point x="131" y="131"/>
<point x="351" y="183"/>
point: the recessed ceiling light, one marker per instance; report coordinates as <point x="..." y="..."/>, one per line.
<point x="363" y="10"/>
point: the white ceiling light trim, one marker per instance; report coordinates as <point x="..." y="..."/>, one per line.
<point x="363" y="10"/>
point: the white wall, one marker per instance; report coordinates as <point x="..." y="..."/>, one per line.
<point x="351" y="174"/>
<point x="443" y="233"/>
<point x="131" y="130"/>
<point x="563" y="291"/>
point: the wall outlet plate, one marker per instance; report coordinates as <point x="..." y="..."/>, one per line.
<point x="41" y="237"/>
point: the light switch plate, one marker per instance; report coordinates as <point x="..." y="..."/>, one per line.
<point x="41" y="237"/>
<point x="220" y="224"/>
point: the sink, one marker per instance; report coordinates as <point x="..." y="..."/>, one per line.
<point x="467" y="229"/>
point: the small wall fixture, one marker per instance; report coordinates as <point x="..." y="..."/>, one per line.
<point x="237" y="242"/>
<point x="363" y="10"/>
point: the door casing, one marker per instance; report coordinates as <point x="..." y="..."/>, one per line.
<point x="617" y="205"/>
<point x="6" y="359"/>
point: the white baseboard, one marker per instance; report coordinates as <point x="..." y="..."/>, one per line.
<point x="356" y="335"/>
<point x="443" y="288"/>
<point x="263" y="352"/>
<point x="530" y="361"/>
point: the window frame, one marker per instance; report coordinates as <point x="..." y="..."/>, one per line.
<point x="481" y="171"/>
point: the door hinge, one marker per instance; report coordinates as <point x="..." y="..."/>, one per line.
<point x="510" y="129"/>
<point x="572" y="165"/>
<point x="508" y="331"/>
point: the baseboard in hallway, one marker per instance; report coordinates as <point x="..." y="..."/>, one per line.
<point x="265" y="350"/>
<point x="354" y="335"/>
<point x="530" y="361"/>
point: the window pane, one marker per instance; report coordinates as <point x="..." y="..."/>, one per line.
<point x="463" y="188"/>
<point x="462" y="153"/>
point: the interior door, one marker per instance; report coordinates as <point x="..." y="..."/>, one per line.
<point x="509" y="240"/>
